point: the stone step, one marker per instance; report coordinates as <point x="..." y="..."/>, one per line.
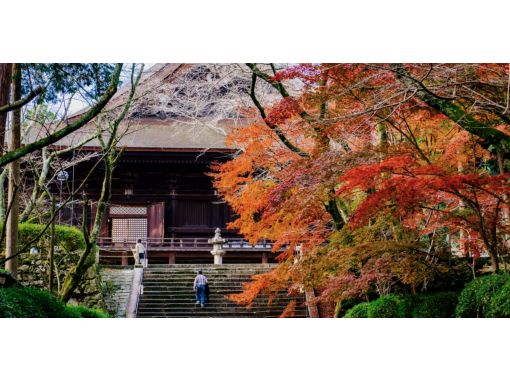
<point x="168" y="292"/>
<point x="210" y="310"/>
<point x="215" y="301"/>
<point x="208" y="275"/>
<point x="220" y="306"/>
<point x="214" y="293"/>
<point x="212" y="315"/>
<point x="199" y="311"/>
<point x="120" y="280"/>
<point x="184" y="276"/>
<point x="173" y="285"/>
<point x="206" y="270"/>
<point x="209" y="266"/>
<point x="225" y="310"/>
<point x="216" y="305"/>
<point x="212" y="287"/>
<point x="191" y="279"/>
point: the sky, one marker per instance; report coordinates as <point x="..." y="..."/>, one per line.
<point x="78" y="103"/>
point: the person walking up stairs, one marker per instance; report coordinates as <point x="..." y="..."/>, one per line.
<point x="199" y="288"/>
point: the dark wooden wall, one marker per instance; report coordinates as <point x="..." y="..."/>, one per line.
<point x="175" y="187"/>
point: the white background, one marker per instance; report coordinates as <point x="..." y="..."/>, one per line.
<point x="257" y="31"/>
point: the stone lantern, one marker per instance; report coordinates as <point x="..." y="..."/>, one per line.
<point x="218" y="252"/>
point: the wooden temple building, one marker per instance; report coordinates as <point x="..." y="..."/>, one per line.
<point x="161" y="192"/>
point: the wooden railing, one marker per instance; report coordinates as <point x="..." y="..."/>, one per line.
<point x="182" y="244"/>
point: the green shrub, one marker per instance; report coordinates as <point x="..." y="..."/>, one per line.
<point x="358" y="311"/>
<point x="389" y="306"/>
<point x="68" y="238"/>
<point x="435" y="305"/>
<point x="20" y="302"/>
<point x="478" y="298"/>
<point x="499" y="306"/>
<point x="85" y="312"/>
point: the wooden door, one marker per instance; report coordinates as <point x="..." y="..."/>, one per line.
<point x="156" y="221"/>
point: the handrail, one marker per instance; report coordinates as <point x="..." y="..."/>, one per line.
<point x="136" y="289"/>
<point x="184" y="243"/>
<point x="140" y="292"/>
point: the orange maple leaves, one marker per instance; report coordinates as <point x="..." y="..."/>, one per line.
<point x="387" y="153"/>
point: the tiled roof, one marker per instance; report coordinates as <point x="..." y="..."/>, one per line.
<point x="156" y="134"/>
<point x="147" y="127"/>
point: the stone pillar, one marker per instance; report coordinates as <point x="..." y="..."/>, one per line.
<point x="298" y="253"/>
<point x="171" y="258"/>
<point x="264" y="258"/>
<point x="125" y="258"/>
<point x="218" y="252"/>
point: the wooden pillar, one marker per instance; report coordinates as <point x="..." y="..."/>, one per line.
<point x="264" y="258"/>
<point x="171" y="258"/>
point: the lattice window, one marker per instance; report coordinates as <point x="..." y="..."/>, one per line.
<point x="129" y="229"/>
<point x="128" y="210"/>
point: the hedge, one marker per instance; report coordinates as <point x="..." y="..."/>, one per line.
<point x="435" y="305"/>
<point x="485" y="296"/>
<point x="21" y="302"/>
<point x="68" y="238"/>
<point x="85" y="312"/>
<point x="358" y="311"/>
<point x="389" y="306"/>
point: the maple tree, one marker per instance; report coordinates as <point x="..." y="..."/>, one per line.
<point x="343" y="148"/>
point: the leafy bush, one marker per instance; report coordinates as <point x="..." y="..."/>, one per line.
<point x="20" y="302"/>
<point x="389" y="306"/>
<point x="499" y="306"/>
<point x="358" y="311"/>
<point x="85" y="312"/>
<point x="68" y="238"/>
<point x="435" y="305"/>
<point x="484" y="297"/>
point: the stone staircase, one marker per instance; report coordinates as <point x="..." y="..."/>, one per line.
<point x="168" y="292"/>
<point x="118" y="282"/>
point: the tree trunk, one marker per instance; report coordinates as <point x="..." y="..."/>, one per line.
<point x="3" y="178"/>
<point x="5" y="84"/>
<point x="73" y="279"/>
<point x="494" y="262"/>
<point x="52" y="245"/>
<point x="14" y="180"/>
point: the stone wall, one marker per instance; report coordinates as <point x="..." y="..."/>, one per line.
<point x="33" y="271"/>
<point x="117" y="288"/>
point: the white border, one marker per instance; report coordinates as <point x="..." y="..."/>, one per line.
<point x="233" y="349"/>
<point x="236" y="31"/>
<point x="259" y="30"/>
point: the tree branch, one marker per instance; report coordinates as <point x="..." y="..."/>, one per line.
<point x="490" y="136"/>
<point x="20" y="103"/>
<point x="84" y="119"/>
<point x="272" y="126"/>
